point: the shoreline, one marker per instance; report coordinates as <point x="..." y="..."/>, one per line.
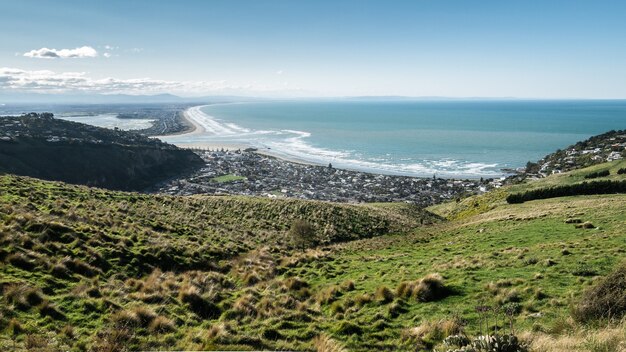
<point x="199" y="129"/>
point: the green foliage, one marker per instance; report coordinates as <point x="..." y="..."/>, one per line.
<point x="585" y="188"/>
<point x="597" y="174"/>
<point x="302" y="234"/>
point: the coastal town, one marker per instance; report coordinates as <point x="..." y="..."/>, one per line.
<point x="606" y="147"/>
<point x="246" y="172"/>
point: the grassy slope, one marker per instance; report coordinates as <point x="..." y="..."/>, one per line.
<point x="62" y="241"/>
<point x="478" y="204"/>
<point x="493" y="255"/>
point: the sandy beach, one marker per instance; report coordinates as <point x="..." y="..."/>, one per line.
<point x="199" y="129"/>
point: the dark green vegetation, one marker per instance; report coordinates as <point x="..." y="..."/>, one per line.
<point x="585" y="188"/>
<point x="88" y="269"/>
<point x="603" y="173"/>
<point x="52" y="149"/>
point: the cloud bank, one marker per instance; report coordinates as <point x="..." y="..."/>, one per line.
<point x="45" y="81"/>
<point x="45" y="53"/>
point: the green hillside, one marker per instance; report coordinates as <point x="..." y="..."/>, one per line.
<point x="481" y="203"/>
<point x="88" y="269"/>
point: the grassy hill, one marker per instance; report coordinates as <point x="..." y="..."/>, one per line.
<point x="481" y="203"/>
<point x="88" y="269"/>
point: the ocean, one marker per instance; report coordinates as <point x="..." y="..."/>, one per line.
<point x="449" y="138"/>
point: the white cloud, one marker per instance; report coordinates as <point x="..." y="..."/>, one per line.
<point x="45" y="81"/>
<point x="107" y="55"/>
<point x="279" y="72"/>
<point x="45" y="53"/>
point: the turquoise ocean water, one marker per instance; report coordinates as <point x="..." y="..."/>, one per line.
<point x="449" y="138"/>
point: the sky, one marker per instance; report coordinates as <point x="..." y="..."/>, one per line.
<point x="291" y="48"/>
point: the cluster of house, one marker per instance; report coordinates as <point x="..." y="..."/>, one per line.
<point x="595" y="151"/>
<point x="259" y="175"/>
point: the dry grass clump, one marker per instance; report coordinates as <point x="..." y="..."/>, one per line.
<point x="606" y="339"/>
<point x="112" y="340"/>
<point x="23" y="296"/>
<point x="604" y="300"/>
<point x="125" y="319"/>
<point x="20" y="260"/>
<point x="161" y="324"/>
<point x="384" y="294"/>
<point x="218" y="331"/>
<point x="430" y="288"/>
<point x="328" y="295"/>
<point x="295" y="283"/>
<point x="324" y="343"/>
<point x="348" y="285"/>
<point x="363" y="299"/>
<point x="430" y="332"/>
<point x="244" y="306"/>
<point x="255" y="266"/>
<point x="50" y="310"/>
<point x="197" y="303"/>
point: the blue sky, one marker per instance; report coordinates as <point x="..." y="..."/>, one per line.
<point x="526" y="49"/>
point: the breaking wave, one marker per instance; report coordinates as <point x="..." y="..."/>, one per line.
<point x="294" y="144"/>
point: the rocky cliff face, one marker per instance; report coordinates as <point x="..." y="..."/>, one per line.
<point x="58" y="150"/>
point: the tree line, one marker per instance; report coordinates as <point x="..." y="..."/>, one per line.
<point x="585" y="188"/>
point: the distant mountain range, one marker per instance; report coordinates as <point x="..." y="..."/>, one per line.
<point x="37" y="98"/>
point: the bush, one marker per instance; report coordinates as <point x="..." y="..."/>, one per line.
<point x="302" y="234"/>
<point x="621" y="171"/>
<point x="585" y="188"/>
<point x="597" y="174"/>
<point x="604" y="300"/>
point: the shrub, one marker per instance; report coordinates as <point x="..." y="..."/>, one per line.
<point x="604" y="300"/>
<point x="302" y="234"/>
<point x="621" y="171"/>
